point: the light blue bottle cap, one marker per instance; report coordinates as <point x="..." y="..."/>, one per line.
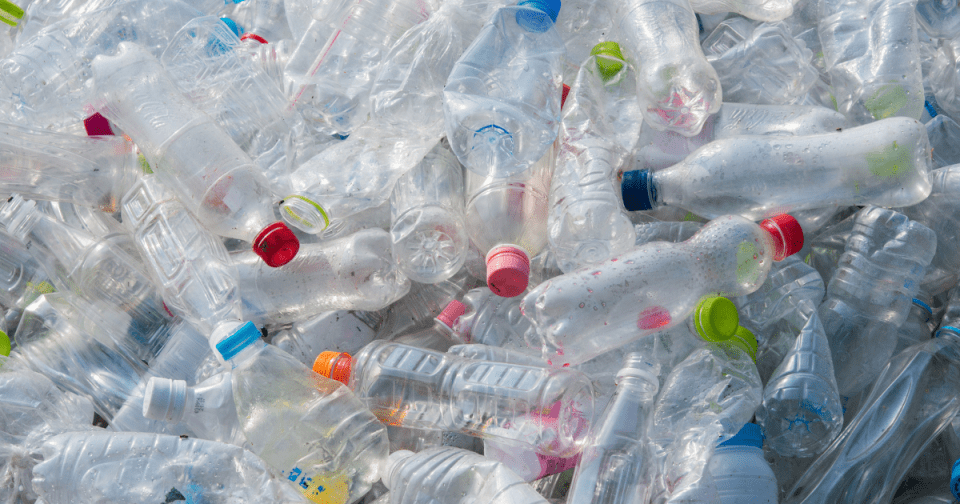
<point x="955" y="480"/>
<point x="536" y="20"/>
<point x="234" y="27"/>
<point x="230" y="346"/>
<point x="637" y="190"/>
<point x="749" y="435"/>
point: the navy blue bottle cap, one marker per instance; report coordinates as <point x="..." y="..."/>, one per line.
<point x="636" y="190"/>
<point x="537" y="20"/>
<point x="749" y="435"/>
<point x="955" y="480"/>
<point x="234" y="27"/>
<point x="230" y="346"/>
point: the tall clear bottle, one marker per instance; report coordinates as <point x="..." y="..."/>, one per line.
<point x="212" y="175"/>
<point x="938" y="212"/>
<point x="615" y="466"/>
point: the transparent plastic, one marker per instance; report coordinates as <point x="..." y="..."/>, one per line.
<point x="938" y="212"/>
<point x="885" y="163"/>
<point x="742" y="476"/>
<point x="548" y="410"/>
<point x="490" y="319"/>
<point x="340" y="331"/>
<point x="351" y="273"/>
<point x="205" y="410"/>
<point x="582" y="314"/>
<point x="870" y="295"/>
<point x="599" y="126"/>
<point x="429" y="239"/>
<point x="215" y="179"/>
<point x="500" y="121"/>
<point x="769" y="11"/>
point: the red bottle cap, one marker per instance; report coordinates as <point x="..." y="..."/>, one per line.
<point x="563" y="95"/>
<point x="451" y="313"/>
<point x="787" y="235"/>
<point x="253" y="36"/>
<point x="276" y="245"/>
<point x="508" y="271"/>
<point x="335" y="365"/>
<point x="97" y="125"/>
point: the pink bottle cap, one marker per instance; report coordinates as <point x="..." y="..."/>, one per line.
<point x="451" y="313"/>
<point x="276" y="245"/>
<point x="508" y="271"/>
<point x="787" y="235"/>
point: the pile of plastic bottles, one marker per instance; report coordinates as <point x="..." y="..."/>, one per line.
<point x="472" y="252"/>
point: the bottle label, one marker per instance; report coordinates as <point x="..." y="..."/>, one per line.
<point x="321" y="488"/>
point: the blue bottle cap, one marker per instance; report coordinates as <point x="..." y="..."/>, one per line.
<point x="230" y="346"/>
<point x="749" y="435"/>
<point x="234" y="27"/>
<point x="536" y="20"/>
<point x="637" y="190"/>
<point x="955" y="479"/>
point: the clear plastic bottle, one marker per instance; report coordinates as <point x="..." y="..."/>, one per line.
<point x="311" y="430"/>
<point x="427" y="227"/>
<point x="870" y="295"/>
<point x="938" y="212"/>
<point x="507" y="222"/>
<point x="88" y="467"/>
<point x="739" y="471"/>
<point x="801" y="412"/>
<point x="341" y="330"/>
<point x="676" y="86"/>
<point x="490" y="319"/>
<point x="453" y="476"/>
<point x="911" y="402"/>
<point x="871" y="52"/>
<point x="582" y="314"/>
<point x="206" y="410"/>
<point x="549" y="410"/>
<point x="440" y="336"/>
<point x="884" y="163"/>
<point x="598" y="129"/>
<point x="351" y="273"/>
<point x="501" y="122"/>
<point x="188" y="263"/>
<point x="220" y="186"/>
<point x="615" y="467"/>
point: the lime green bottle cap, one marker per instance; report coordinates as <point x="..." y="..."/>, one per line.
<point x="746" y="341"/>
<point x="4" y="344"/>
<point x="716" y="319"/>
<point x="610" y="61"/>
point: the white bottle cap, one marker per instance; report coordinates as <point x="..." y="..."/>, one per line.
<point x="165" y="399"/>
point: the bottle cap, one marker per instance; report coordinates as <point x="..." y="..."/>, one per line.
<point x="746" y="341"/>
<point x="4" y="344"/>
<point x="541" y="15"/>
<point x="234" y="27"/>
<point x="97" y="125"/>
<point x="612" y="64"/>
<point x="335" y="365"/>
<point x="508" y="271"/>
<point x="564" y="91"/>
<point x="253" y="36"/>
<point x="276" y="245"/>
<point x="451" y="313"/>
<point x="637" y="190"/>
<point x="165" y="399"/>
<point x="787" y="235"/>
<point x="241" y="338"/>
<point x="955" y="479"/>
<point x="749" y="435"/>
<point x="716" y="319"/>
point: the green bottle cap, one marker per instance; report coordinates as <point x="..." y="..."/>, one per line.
<point x="612" y="63"/>
<point x="4" y="344"/>
<point x="716" y="319"/>
<point x="746" y="341"/>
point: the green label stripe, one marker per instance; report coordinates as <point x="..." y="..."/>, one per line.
<point x="291" y="213"/>
<point x="10" y="13"/>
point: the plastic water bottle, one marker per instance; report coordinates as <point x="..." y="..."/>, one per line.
<point x="499" y="122"/>
<point x="870" y="51"/>
<point x="937" y="213"/>
<point x="440" y="336"/>
<point x="132" y="466"/>
<point x="739" y="471"/>
<point x="549" y="410"/>
<point x="427" y="228"/>
<point x="582" y="314"/>
<point x="911" y="402"/>
<point x="870" y="295"/>
<point x="801" y="412"/>
<point x="351" y="273"/>
<point x="490" y="319"/>
<point x="760" y="176"/>
<point x="311" y="430"/>
<point x="446" y="474"/>
<point x="221" y="186"/>
<point x="599" y="127"/>
<point x="676" y="86"/>
<point x="615" y="466"/>
<point x="341" y="330"/>
<point x="205" y="411"/>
